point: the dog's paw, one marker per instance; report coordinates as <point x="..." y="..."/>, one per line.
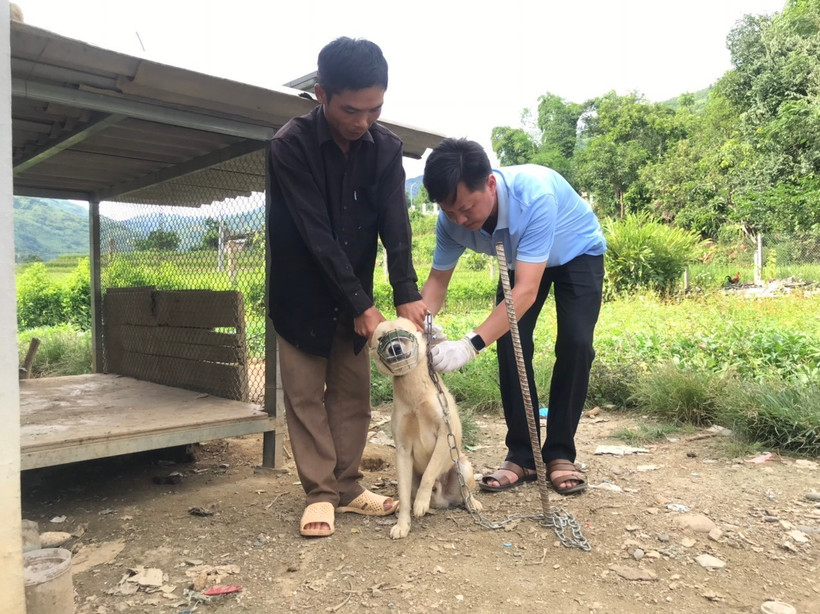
<point x="399" y="530"/>
<point x="476" y="504"/>
<point x="421" y="507"/>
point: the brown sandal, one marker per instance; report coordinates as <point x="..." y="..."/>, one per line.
<point x="562" y="464"/>
<point x="522" y="474"/>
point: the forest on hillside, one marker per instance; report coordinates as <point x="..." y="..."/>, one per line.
<point x="744" y="161"/>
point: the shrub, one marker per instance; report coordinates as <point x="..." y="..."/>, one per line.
<point x="645" y="254"/>
<point x="253" y="293"/>
<point x="678" y="395"/>
<point x="422" y="224"/>
<point x="754" y="351"/>
<point x="612" y="384"/>
<point x="774" y="414"/>
<point x="39" y="299"/>
<point x="423" y="246"/>
<point x="76" y="298"/>
<point x="125" y="273"/>
<point x="64" y="350"/>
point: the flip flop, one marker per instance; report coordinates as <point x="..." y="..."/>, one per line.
<point x="562" y="464"/>
<point x="522" y="474"/>
<point x="317" y="512"/>
<point x="369" y="504"/>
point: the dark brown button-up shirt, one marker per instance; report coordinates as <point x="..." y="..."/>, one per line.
<point x="326" y="212"/>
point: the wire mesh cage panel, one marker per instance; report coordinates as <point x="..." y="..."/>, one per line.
<point x="792" y="255"/>
<point x="183" y="283"/>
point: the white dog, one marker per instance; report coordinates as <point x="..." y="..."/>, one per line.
<point x="427" y="474"/>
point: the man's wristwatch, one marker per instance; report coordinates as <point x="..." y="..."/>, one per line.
<point x="477" y="342"/>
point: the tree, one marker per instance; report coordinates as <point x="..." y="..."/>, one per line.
<point x="210" y="240"/>
<point x="558" y="126"/>
<point x="694" y="183"/>
<point x="419" y="198"/>
<point x="558" y="123"/>
<point x="620" y="135"/>
<point x="158" y="240"/>
<point x="749" y="156"/>
<point x="513" y="146"/>
<point x="777" y="60"/>
<point x="774" y="85"/>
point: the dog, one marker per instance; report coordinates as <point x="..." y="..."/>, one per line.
<point x="427" y="474"/>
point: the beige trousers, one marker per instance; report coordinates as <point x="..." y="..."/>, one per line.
<point x="327" y="405"/>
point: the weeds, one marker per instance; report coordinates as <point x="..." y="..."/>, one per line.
<point x="774" y="414"/>
<point x="737" y="448"/>
<point x="612" y="384"/>
<point x="678" y="395"/>
<point x="63" y="350"/>
<point x="649" y="433"/>
<point x="753" y="365"/>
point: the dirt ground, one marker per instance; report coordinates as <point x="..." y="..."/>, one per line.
<point x="764" y="523"/>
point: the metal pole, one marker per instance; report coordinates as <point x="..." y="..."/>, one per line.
<point x="220" y="249"/>
<point x="759" y="260"/>
<point x="95" y="265"/>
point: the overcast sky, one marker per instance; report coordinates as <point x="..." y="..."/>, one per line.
<point x="458" y="68"/>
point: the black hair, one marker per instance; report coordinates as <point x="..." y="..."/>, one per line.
<point x="351" y="64"/>
<point x="454" y="161"/>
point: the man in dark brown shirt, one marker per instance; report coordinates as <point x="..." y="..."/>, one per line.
<point x="336" y="186"/>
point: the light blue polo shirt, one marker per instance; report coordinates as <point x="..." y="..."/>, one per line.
<point x="541" y="218"/>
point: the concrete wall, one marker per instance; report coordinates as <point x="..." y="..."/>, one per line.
<point x="12" y="595"/>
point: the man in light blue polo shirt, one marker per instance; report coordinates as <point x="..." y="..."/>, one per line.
<point x="552" y="240"/>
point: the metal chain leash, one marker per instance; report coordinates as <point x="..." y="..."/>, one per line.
<point x="466" y="495"/>
<point x="559" y="521"/>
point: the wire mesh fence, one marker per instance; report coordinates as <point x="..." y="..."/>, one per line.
<point x="183" y="285"/>
<point x="795" y="255"/>
<point x="779" y="259"/>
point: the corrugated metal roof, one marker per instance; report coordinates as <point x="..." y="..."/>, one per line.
<point x="93" y="124"/>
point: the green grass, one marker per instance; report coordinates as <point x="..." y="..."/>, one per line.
<point x="774" y="414"/>
<point x="738" y="448"/>
<point x="707" y="277"/>
<point x="748" y="363"/>
<point x="63" y="350"/>
<point x="649" y="433"/>
<point x="678" y="395"/>
<point x="676" y="360"/>
<point x="59" y="269"/>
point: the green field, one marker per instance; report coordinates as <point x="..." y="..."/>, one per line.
<point x="59" y="269"/>
<point x="711" y="355"/>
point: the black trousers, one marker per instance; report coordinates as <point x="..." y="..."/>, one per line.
<point x="577" y="289"/>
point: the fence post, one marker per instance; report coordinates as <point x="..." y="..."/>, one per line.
<point x="686" y="279"/>
<point x="759" y="260"/>
<point x="220" y="257"/>
<point x="95" y="280"/>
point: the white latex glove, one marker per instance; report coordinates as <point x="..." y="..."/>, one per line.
<point x="452" y="355"/>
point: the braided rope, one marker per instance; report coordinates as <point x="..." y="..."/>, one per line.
<point x="529" y="407"/>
